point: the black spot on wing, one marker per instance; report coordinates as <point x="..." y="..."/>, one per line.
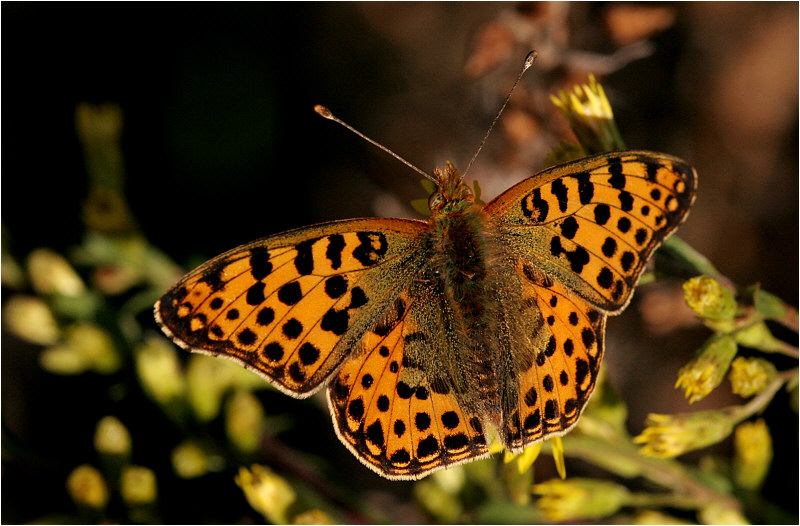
<point x="559" y="190"/>
<point x="304" y="260"/>
<point x="334" y="250"/>
<point x="260" y="265"/>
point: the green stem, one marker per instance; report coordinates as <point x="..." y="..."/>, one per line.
<point x="664" y="472"/>
<point x="662" y="500"/>
<point x="762" y="400"/>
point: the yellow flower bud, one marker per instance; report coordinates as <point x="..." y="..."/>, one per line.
<point x="50" y="273"/>
<point x="707" y="369"/>
<point x="111" y="437"/>
<point x="709" y="299"/>
<point x="189" y="460"/>
<point x="87" y="488"/>
<point x="138" y="486"/>
<point x="62" y="359"/>
<point x="244" y="421"/>
<point x="753" y="454"/>
<point x="716" y="513"/>
<point x="91" y="347"/>
<point x="159" y="370"/>
<point x="207" y="379"/>
<point x="579" y="498"/>
<point x="749" y="376"/>
<point x="656" y="517"/>
<point x="668" y="436"/>
<point x="438" y="502"/>
<point x="312" y="517"/>
<point x="267" y="493"/>
<point x="31" y="319"/>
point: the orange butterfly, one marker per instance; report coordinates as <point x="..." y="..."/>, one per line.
<point x="434" y="336"/>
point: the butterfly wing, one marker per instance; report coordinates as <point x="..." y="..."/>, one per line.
<point x="397" y="401"/>
<point x="547" y="396"/>
<point x="582" y="233"/>
<point x="592" y="224"/>
<point x="291" y="306"/>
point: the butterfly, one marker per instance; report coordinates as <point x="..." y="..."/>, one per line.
<point x="436" y="337"/>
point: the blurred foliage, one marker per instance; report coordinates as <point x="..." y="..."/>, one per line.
<point x="86" y="310"/>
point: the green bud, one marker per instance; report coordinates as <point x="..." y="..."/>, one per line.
<point x="753" y="456"/>
<point x="709" y="299"/>
<point x="138" y="486"/>
<point x="87" y="488"/>
<point x="758" y="336"/>
<point x="244" y="421"/>
<point x="51" y="274"/>
<point x="766" y="304"/>
<point x="579" y="498"/>
<point x="30" y="318"/>
<point x="268" y="493"/>
<point x="707" y="369"/>
<point x="111" y="437"/>
<point x="668" y="436"/>
<point x="750" y="376"/>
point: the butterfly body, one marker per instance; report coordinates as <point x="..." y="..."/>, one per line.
<point x="436" y="336"/>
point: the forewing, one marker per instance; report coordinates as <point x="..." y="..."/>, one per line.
<point x="592" y="224"/>
<point x="291" y="306"/>
<point x="399" y="417"/>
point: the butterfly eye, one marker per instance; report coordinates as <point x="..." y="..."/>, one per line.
<point x="436" y="201"/>
<point x="465" y="192"/>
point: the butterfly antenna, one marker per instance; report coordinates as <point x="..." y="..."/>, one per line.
<point x="529" y="60"/>
<point x="325" y="112"/>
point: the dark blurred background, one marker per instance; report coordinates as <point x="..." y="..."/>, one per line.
<point x="222" y="147"/>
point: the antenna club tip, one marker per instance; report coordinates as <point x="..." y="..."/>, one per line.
<point x="323" y="111"/>
<point x="531" y="58"/>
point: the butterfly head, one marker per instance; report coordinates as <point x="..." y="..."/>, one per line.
<point x="451" y="194"/>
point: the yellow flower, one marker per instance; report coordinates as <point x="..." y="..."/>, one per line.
<point x="525" y="459"/>
<point x="267" y="493"/>
<point x="579" y="498"/>
<point x="753" y="454"/>
<point x="590" y="116"/>
<point x="87" y="488"/>
<point x="138" y="485"/>
<point x="709" y="299"/>
<point x="749" y="376"/>
<point x="111" y="437"/>
<point x="707" y="369"/>
<point x="668" y="436"/>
